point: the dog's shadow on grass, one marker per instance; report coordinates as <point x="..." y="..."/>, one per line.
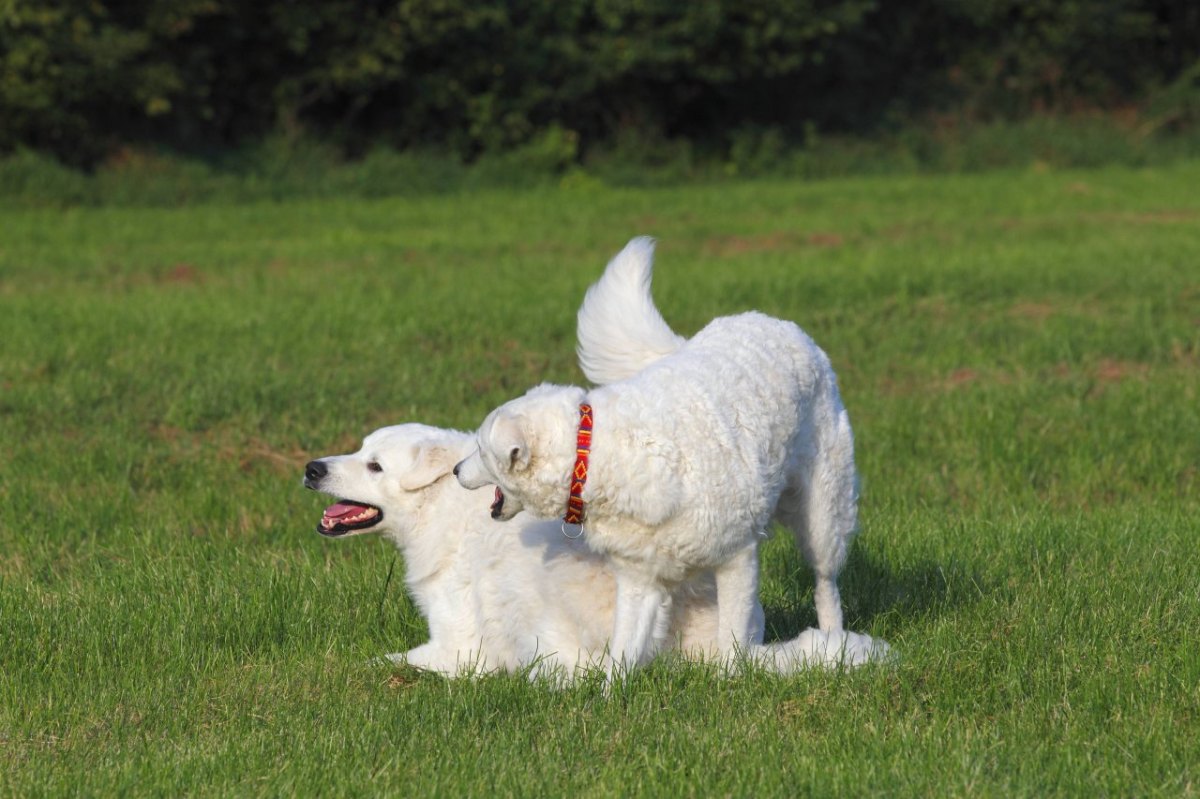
<point x="875" y="595"/>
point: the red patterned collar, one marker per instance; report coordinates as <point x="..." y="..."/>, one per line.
<point x="583" y="448"/>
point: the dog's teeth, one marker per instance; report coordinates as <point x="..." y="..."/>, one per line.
<point x="364" y="514"/>
<point x="330" y="523"/>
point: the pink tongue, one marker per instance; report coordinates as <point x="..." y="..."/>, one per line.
<point x="342" y="509"/>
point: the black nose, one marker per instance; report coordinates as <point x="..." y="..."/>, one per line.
<point x="315" y="470"/>
<point x="456" y="469"/>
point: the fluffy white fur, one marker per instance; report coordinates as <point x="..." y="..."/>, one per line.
<point x="620" y="331"/>
<point x="697" y="444"/>
<point x="499" y="598"/>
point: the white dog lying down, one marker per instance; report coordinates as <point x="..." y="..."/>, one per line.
<point x="499" y="598"/>
<point x="682" y="456"/>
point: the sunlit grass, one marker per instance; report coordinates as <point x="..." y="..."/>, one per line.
<point x="1019" y="353"/>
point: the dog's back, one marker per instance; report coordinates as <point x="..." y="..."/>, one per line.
<point x="739" y="409"/>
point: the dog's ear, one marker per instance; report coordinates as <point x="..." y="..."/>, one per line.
<point x="509" y="442"/>
<point x="430" y="462"/>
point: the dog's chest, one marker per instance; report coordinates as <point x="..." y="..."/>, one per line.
<point x="662" y="550"/>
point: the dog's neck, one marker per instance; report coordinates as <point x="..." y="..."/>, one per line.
<point x="436" y="535"/>
<point x="438" y="530"/>
<point x="632" y="468"/>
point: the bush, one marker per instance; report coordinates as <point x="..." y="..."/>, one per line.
<point x="387" y="173"/>
<point x="31" y="178"/>
<point x="547" y="156"/>
<point x="1177" y="106"/>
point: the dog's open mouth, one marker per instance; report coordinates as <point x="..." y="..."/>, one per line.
<point x="498" y="503"/>
<point x="348" y="516"/>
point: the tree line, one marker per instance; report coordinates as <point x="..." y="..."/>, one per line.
<point x="79" y="78"/>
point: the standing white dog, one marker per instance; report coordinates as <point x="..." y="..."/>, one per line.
<point x="680" y="461"/>
<point x="499" y="598"/>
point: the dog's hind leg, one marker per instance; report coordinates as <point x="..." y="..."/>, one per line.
<point x="820" y="506"/>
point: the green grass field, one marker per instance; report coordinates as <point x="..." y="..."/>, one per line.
<point x="1019" y="352"/>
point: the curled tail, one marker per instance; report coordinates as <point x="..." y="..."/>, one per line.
<point x="620" y="331"/>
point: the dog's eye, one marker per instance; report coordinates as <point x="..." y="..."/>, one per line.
<point x="374" y="466"/>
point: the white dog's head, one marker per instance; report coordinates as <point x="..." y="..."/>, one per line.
<point x="381" y="487"/>
<point x="527" y="450"/>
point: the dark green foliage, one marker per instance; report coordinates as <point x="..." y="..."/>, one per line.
<point x="1177" y="106"/>
<point x="1011" y="57"/>
<point x="281" y="168"/>
<point x="82" y="78"/>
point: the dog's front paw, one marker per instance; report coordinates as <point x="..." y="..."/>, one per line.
<point x="423" y="657"/>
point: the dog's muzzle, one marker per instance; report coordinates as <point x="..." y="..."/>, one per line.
<point x="470" y="472"/>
